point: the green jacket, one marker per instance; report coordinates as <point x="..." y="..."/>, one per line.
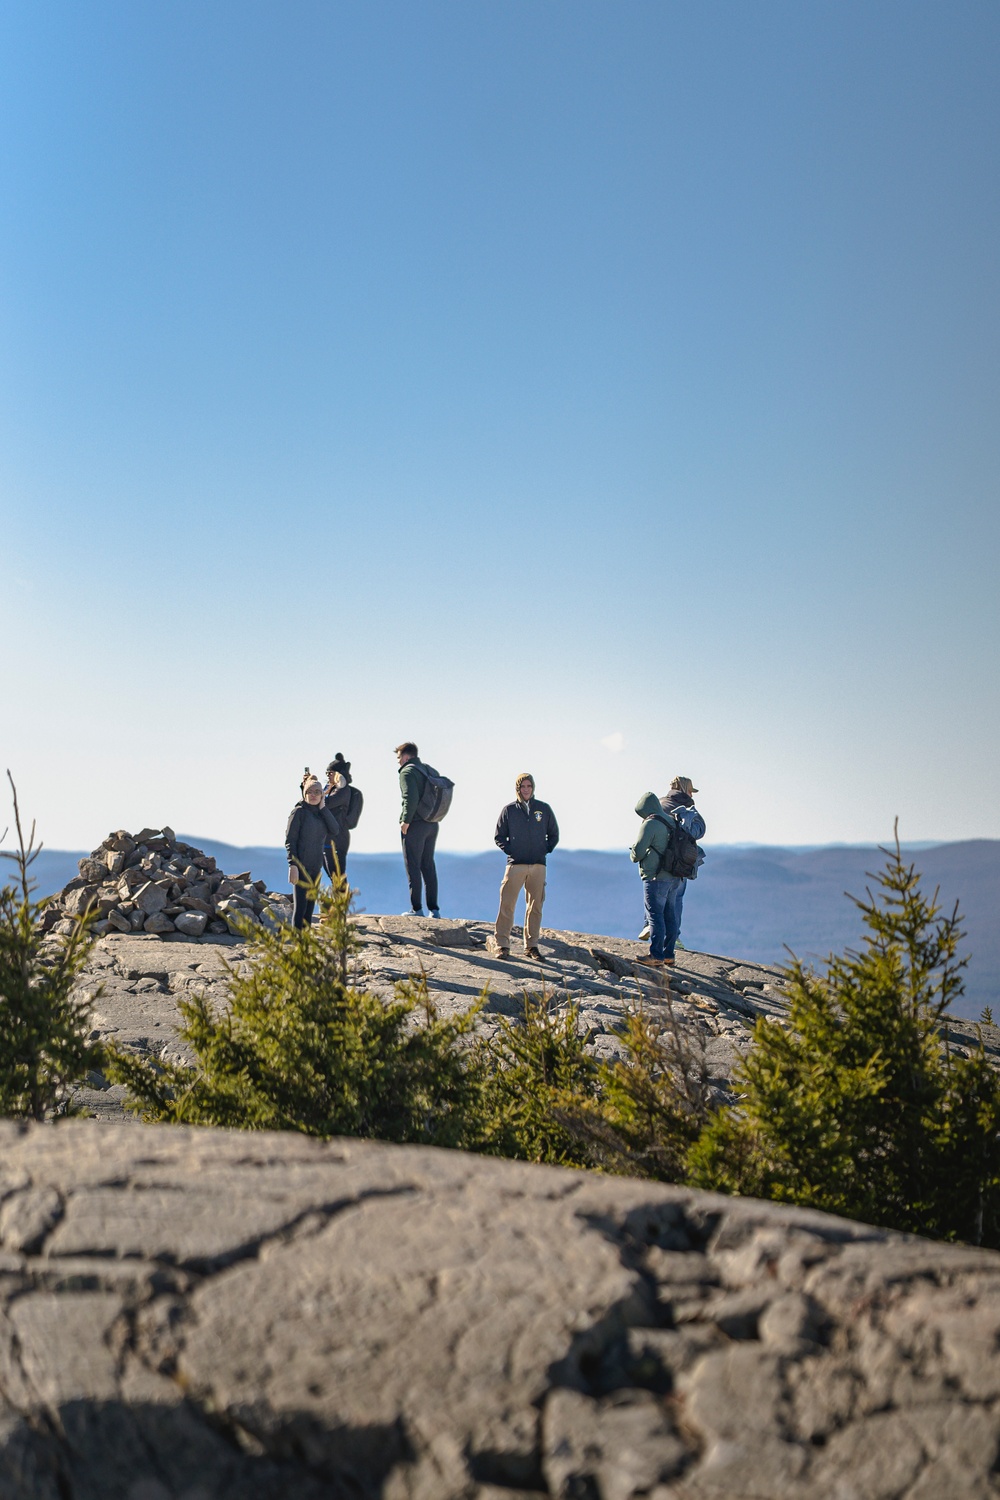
<point x="654" y="836"/>
<point x="412" y="780"/>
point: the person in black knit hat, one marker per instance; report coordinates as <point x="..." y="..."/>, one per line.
<point x="345" y="802"/>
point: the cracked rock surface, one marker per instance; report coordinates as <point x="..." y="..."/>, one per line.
<point x="203" y="1315"/>
<point x="136" y="979"/>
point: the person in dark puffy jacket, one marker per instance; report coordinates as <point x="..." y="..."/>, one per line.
<point x="345" y="802"/>
<point x="527" y="832"/>
<point x="310" y="827"/>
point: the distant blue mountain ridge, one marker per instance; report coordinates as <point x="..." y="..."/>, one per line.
<point x="752" y="902"/>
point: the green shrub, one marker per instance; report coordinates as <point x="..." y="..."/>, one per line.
<point x="539" y="1085"/>
<point x="857" y="1105"/>
<point x="546" y="1098"/>
<point x="44" y="1046"/>
<point x="299" y="1048"/>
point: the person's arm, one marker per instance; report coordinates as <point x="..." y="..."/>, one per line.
<point x="551" y="833"/>
<point x="502" y="836"/>
<point x="292" y="843"/>
<point x="410" y="784"/>
<point x="643" y="842"/>
<point x="332" y="822"/>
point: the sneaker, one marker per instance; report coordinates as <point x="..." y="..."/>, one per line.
<point x="644" y="934"/>
<point x="434" y="912"/>
<point x="411" y="913"/>
<point x="533" y="953"/>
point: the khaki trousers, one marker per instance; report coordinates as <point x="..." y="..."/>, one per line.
<point x="532" y="878"/>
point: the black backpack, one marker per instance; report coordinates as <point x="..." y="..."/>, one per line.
<point x="682" y="855"/>
<point x="435" y="799"/>
<point x="355" y="803"/>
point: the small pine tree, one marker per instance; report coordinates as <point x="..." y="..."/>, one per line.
<point x="44" y="1027"/>
<point x="656" y="1101"/>
<point x="299" y="1048"/>
<point x="547" y="1099"/>
<point x="857" y="1105"/>
<point x="539" y="1082"/>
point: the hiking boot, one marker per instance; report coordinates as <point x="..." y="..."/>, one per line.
<point x="644" y="934"/>
<point x="533" y="953"/>
<point x="668" y="963"/>
<point x="502" y="953"/>
<point x="650" y="962"/>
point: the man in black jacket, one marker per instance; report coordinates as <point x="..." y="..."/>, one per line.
<point x="526" y="832"/>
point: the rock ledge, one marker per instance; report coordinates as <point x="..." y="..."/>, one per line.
<point x="213" y="1315"/>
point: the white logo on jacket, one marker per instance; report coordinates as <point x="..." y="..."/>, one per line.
<point x="538" y="817"/>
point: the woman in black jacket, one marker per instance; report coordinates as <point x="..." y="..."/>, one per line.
<point x="345" y="802"/>
<point x="311" y="826"/>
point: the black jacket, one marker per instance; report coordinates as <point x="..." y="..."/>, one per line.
<point x="338" y="802"/>
<point x="527" y="832"/>
<point x="309" y="828"/>
<point x="675" y="799"/>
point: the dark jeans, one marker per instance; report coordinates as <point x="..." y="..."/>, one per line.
<point x="302" y="907"/>
<point x="418" y="856"/>
<point x="340" y="849"/>
<point x="662" y="914"/>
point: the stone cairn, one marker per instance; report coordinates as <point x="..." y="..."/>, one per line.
<point x="152" y="882"/>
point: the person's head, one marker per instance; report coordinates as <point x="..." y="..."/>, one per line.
<point x="338" y="767"/>
<point x="525" y="786"/>
<point x="683" y="784"/>
<point x="312" y="791"/>
<point x="406" y="751"/>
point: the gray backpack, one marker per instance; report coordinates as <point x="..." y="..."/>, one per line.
<point x="435" y="799"/>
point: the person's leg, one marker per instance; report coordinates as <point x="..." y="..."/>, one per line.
<point x="328" y="859"/>
<point x="654" y="896"/>
<point x="412" y="850"/>
<point x="310" y="907"/>
<point x="679" y="905"/>
<point x="672" y="913"/>
<point x="534" y="895"/>
<point x="510" y="889"/>
<point x="427" y="866"/>
<point x="299" y="904"/>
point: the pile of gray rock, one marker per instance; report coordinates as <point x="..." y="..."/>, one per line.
<point x="153" y="882"/>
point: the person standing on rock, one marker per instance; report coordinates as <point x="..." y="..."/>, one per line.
<point x="651" y="852"/>
<point x="527" y="832"/>
<point x="418" y="834"/>
<point x="311" y="826"/>
<point x="345" y="802"/>
<point x="679" y="805"/>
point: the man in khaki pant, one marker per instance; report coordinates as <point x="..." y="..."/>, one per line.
<point x="526" y="832"/>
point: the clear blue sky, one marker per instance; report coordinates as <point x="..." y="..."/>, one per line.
<point x="608" y="390"/>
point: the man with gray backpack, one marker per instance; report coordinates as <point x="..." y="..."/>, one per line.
<point x="667" y="854"/>
<point x="426" y="799"/>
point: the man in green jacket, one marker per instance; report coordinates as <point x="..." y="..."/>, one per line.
<point x="419" y="835"/>
<point x="659" y="889"/>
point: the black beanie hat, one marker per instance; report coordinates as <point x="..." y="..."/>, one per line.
<point x="339" y="764"/>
